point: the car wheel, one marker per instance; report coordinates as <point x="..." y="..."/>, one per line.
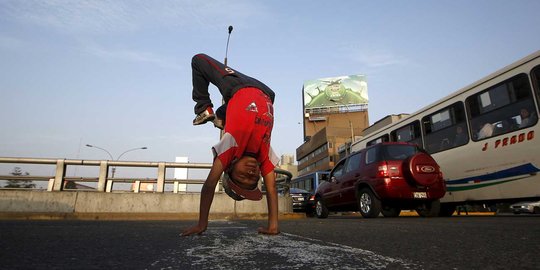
<point x="320" y="209"/>
<point x="429" y="209"/>
<point x="447" y="210"/>
<point x="368" y="204"/>
<point x="389" y="211"/>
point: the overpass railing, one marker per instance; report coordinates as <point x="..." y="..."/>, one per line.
<point x="60" y="182"/>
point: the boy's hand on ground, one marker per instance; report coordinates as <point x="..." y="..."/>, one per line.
<point x="194" y="230"/>
<point x="264" y="230"/>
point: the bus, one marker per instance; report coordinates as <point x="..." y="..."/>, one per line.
<point x="310" y="181"/>
<point x="483" y="136"/>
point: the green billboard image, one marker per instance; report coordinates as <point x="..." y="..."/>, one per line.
<point x="336" y="94"/>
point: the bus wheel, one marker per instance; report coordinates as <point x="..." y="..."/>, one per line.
<point x="447" y="210"/>
<point x="368" y="204"/>
<point x="389" y="211"/>
<point x="429" y="209"/>
<point x="320" y="209"/>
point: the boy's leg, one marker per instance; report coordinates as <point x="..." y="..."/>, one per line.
<point x="203" y="104"/>
<point x="200" y="93"/>
<point x="221" y="113"/>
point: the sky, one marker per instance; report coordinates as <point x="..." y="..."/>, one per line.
<point x="117" y="74"/>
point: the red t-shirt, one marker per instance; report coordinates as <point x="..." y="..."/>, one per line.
<point x="248" y="129"/>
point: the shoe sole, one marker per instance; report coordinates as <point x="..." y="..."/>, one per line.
<point x="204" y="120"/>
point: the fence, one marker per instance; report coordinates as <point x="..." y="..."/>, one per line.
<point x="105" y="183"/>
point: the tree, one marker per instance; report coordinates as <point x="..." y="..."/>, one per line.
<point x="17" y="171"/>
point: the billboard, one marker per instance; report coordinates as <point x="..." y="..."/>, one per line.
<point x="335" y="95"/>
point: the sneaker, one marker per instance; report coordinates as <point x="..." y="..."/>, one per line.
<point x="205" y="116"/>
<point x="218" y="123"/>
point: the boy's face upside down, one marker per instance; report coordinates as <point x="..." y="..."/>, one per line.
<point x="245" y="172"/>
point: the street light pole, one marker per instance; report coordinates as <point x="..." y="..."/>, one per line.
<point x="138" y="148"/>
<point x="89" y="145"/>
<point x="112" y="158"/>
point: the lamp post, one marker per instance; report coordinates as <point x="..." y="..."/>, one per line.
<point x="112" y="158"/>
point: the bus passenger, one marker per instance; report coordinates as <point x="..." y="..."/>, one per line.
<point x="461" y="137"/>
<point x="527" y="119"/>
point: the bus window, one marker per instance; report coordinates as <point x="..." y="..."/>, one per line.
<point x="383" y="138"/>
<point x="409" y="133"/>
<point x="445" y="128"/>
<point x="498" y="110"/>
<point x="310" y="181"/>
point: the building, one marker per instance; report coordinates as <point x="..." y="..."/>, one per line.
<point x="385" y="121"/>
<point x="287" y="163"/>
<point x="335" y="114"/>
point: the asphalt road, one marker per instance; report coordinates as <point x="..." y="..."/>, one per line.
<point x="339" y="242"/>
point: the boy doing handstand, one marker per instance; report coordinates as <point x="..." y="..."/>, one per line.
<point x="244" y="152"/>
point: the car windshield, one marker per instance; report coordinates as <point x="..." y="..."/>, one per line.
<point x="399" y="152"/>
<point x="297" y="190"/>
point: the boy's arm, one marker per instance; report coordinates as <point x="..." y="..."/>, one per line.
<point x="207" y="196"/>
<point x="272" y="201"/>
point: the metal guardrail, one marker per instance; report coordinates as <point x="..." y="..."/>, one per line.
<point x="58" y="181"/>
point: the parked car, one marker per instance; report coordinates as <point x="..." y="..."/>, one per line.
<point x="300" y="200"/>
<point x="386" y="177"/>
<point x="526" y="207"/>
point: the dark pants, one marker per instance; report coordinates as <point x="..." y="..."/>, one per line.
<point x="201" y="74"/>
<point x="200" y="90"/>
<point x="200" y="94"/>
<point x="206" y="70"/>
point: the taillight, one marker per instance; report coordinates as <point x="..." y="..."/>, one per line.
<point x="382" y="169"/>
<point x="312" y="197"/>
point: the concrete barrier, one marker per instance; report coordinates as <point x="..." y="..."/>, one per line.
<point x="101" y="205"/>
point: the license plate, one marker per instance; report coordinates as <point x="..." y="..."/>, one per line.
<point x="420" y="195"/>
<point x="300" y="199"/>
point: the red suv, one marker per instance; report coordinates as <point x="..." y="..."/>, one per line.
<point x="385" y="177"/>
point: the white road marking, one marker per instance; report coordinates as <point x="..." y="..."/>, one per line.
<point x="238" y="247"/>
<point x="225" y="228"/>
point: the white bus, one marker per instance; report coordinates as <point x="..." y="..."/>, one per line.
<point x="483" y="137"/>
